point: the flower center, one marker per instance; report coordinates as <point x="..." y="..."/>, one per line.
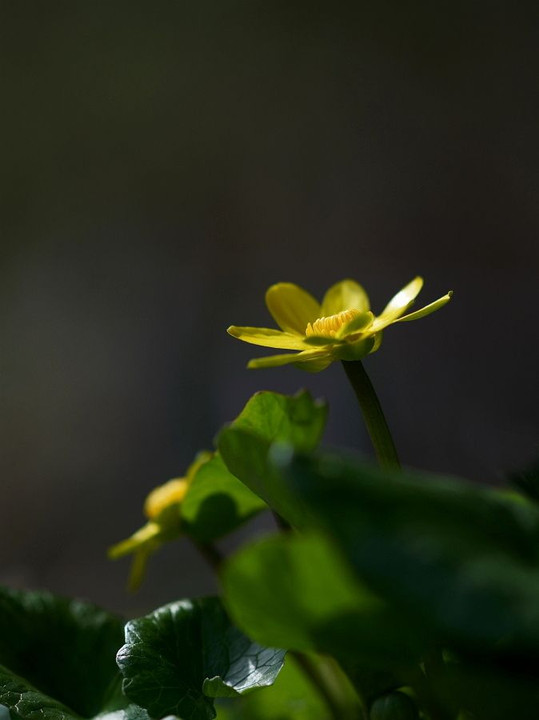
<point x="329" y="326"/>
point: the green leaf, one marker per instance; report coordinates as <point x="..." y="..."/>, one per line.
<point x="487" y="690"/>
<point x="527" y="481"/>
<point x="57" y="656"/>
<point x="217" y="503"/>
<point x="131" y="712"/>
<point x="181" y="656"/>
<point x="296" y="420"/>
<point x="292" y="697"/>
<point x="23" y="700"/>
<point x="319" y="606"/>
<point x="270" y="426"/>
<point x="394" y="706"/>
<point x="458" y="561"/>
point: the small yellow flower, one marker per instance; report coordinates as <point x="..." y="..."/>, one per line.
<point x="162" y="508"/>
<point x="342" y="327"/>
<point x="163" y="496"/>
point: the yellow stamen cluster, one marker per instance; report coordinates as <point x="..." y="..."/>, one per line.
<point x="329" y="326"/>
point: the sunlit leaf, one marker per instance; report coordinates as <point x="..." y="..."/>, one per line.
<point x="181" y="656"/>
<point x="271" y="424"/>
<point x="319" y="606"/>
<point x="217" y="503"/>
<point x="292" y="697"/>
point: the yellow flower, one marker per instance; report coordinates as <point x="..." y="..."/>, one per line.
<point x="342" y="327"/>
<point x="164" y="496"/>
<point x="162" y="508"/>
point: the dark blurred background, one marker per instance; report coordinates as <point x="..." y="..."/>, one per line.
<point x="163" y="163"/>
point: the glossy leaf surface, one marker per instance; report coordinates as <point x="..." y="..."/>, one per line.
<point x="180" y="657"/>
<point x="292" y="697"/>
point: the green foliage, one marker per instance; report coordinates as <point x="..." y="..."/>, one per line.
<point x="396" y="569"/>
<point x="403" y="595"/>
<point x="131" y="712"/>
<point x="216" y="503"/>
<point x="320" y="605"/>
<point x="181" y="656"/>
<point x="298" y="421"/>
<point x="458" y="564"/>
<point x="272" y="426"/>
<point x="460" y="561"/>
<point x="57" y="658"/>
<point x="527" y="481"/>
<point x="393" y="706"/>
<point x="292" y="697"/>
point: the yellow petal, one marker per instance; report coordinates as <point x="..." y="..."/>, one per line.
<point x="291" y="307"/>
<point x="201" y="459"/>
<point x="344" y="295"/>
<point x="398" y="304"/>
<point x="141" y="544"/>
<point x="377" y="341"/>
<point x="289" y="358"/>
<point x="268" y="337"/>
<point x="138" y="568"/>
<point x="314" y="366"/>
<point x="428" y="309"/>
<point x="147" y="536"/>
<point x="165" y="495"/>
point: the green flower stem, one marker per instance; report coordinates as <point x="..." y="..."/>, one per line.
<point x="326" y="679"/>
<point x="375" y="421"/>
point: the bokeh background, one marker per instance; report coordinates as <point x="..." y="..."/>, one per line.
<point x="163" y="163"/>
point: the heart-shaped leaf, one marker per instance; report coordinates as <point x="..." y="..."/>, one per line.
<point x="272" y="425"/>
<point x="181" y="656"/>
<point x="217" y="503"/>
